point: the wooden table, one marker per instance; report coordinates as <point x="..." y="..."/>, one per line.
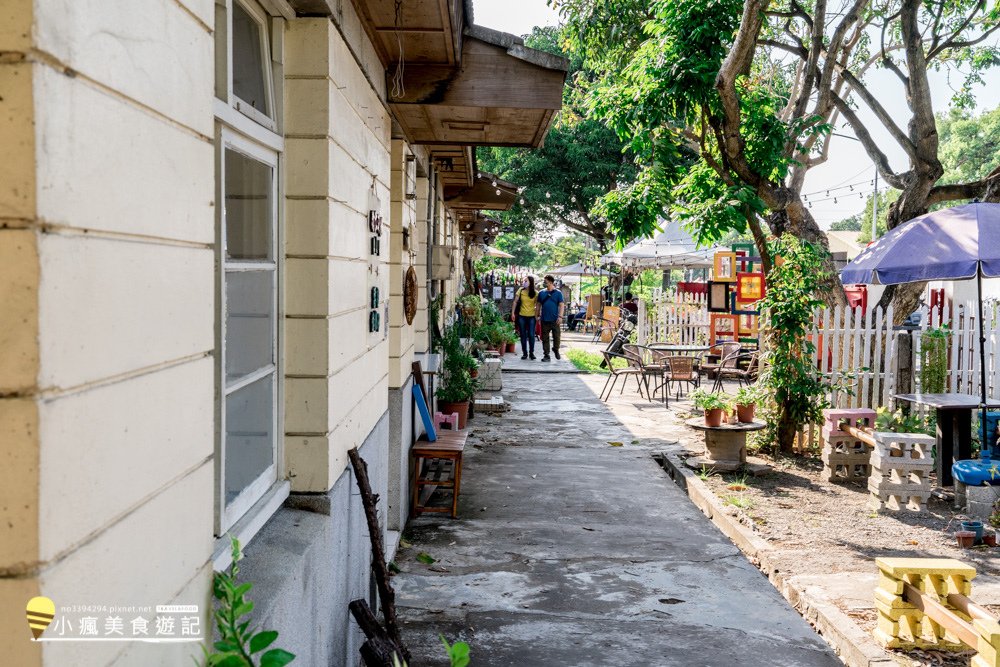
<point x="954" y="425"/>
<point x="725" y="445"/>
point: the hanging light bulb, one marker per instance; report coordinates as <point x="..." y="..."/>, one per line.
<point x="547" y="195"/>
<point x="573" y="198"/>
<point x="834" y="200"/>
<point x="852" y="188"/>
<point x="498" y="191"/>
<point x="827" y="193"/>
<point x="494" y="182"/>
<point x="522" y="201"/>
<point x="861" y="195"/>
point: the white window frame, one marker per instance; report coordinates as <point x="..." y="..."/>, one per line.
<point x="228" y="517"/>
<point x="263" y="20"/>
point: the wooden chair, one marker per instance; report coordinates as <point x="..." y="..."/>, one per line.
<point x="615" y="373"/>
<point x="682" y="369"/>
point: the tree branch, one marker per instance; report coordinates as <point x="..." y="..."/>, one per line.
<point x="870" y="145"/>
<point x="969" y="190"/>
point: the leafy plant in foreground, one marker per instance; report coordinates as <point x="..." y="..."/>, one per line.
<point x="239" y="643"/>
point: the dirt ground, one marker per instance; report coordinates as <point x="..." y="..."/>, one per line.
<point x="817" y="527"/>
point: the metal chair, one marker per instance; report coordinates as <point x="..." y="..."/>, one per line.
<point x="727" y="350"/>
<point x="745" y="375"/>
<point x="641" y="357"/>
<point x="617" y="372"/>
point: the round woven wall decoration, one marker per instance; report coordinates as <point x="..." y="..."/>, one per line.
<point x="410" y="295"/>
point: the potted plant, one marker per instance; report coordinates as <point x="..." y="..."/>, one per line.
<point x="715" y="406"/>
<point x="746" y="403"/>
<point x="510" y="338"/>
<point x="458" y="386"/>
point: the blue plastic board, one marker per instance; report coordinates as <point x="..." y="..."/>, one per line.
<point x="425" y="415"/>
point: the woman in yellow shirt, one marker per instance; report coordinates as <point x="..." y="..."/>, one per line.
<point x="523" y="314"/>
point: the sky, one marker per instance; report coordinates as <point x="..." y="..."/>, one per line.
<point x="849" y="164"/>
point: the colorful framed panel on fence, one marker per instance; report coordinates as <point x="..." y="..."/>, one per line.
<point x="718" y="297"/>
<point x="722" y="328"/>
<point x="749" y="326"/>
<point x="724" y="267"/>
<point x="738" y="307"/>
<point x="750" y="287"/>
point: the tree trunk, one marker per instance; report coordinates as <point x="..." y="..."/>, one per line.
<point x="798" y="221"/>
<point x="786" y="430"/>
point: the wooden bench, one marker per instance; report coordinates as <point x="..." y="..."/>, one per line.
<point x="438" y="464"/>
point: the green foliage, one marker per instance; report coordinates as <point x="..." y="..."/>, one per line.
<point x="706" y="400"/>
<point x="885" y="199"/>
<point x="458" y="652"/>
<point x="748" y="395"/>
<point x="239" y="644"/>
<point x="581" y="160"/>
<point x="968" y="145"/>
<point x="794" y="394"/>
<point x="458" y="384"/>
<point x="851" y="224"/>
<point x="899" y="422"/>
<point x="934" y="359"/>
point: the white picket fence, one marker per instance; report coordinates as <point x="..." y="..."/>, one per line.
<point x="682" y="321"/>
<point x="858" y="353"/>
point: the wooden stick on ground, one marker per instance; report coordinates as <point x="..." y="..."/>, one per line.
<point x="386" y="595"/>
<point x="379" y="650"/>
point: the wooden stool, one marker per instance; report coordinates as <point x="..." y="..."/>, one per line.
<point x="448" y="447"/>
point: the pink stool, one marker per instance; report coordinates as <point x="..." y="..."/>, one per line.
<point x="440" y="419"/>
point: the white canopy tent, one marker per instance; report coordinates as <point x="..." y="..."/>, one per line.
<point x="674" y="247"/>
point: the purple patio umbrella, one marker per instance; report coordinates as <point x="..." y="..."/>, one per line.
<point x="958" y="243"/>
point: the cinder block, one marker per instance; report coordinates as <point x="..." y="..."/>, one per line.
<point x="490" y="375"/>
<point x="856" y="417"/>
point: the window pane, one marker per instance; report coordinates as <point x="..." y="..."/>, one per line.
<point x="248" y="60"/>
<point x="249" y="442"/>
<point x="248" y="207"/>
<point x="249" y="322"/>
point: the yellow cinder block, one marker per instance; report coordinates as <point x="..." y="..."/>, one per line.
<point x="980" y="661"/>
<point x="898" y="567"/>
<point x="889" y="584"/>
<point x="890" y="600"/>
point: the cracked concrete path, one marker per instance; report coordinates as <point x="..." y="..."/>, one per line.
<point x="570" y="551"/>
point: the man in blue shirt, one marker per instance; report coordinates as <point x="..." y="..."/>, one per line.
<point x="550" y="309"/>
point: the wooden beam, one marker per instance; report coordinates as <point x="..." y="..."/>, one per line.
<point x="488" y="77"/>
<point x="941" y="615"/>
<point x="404" y="29"/>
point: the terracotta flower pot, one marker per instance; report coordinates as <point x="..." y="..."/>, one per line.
<point x="511" y="348"/>
<point x="990" y="539"/>
<point x="745" y="413"/>
<point x="474" y="373"/>
<point x="714" y="417"/>
<point x="965" y="538"/>
<point x="461" y="408"/>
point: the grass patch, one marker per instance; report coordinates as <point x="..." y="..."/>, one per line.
<point x="590" y="362"/>
<point x="741" y="501"/>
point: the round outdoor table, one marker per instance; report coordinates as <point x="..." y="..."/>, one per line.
<point x="679" y="349"/>
<point x="725" y="445"/>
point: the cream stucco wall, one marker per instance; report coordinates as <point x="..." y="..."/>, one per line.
<point x="402" y="216"/>
<point x="337" y="149"/>
<point x="108" y="222"/>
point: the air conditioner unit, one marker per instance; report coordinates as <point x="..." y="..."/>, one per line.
<point x="442" y="262"/>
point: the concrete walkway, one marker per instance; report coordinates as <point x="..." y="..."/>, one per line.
<point x="571" y="551"/>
